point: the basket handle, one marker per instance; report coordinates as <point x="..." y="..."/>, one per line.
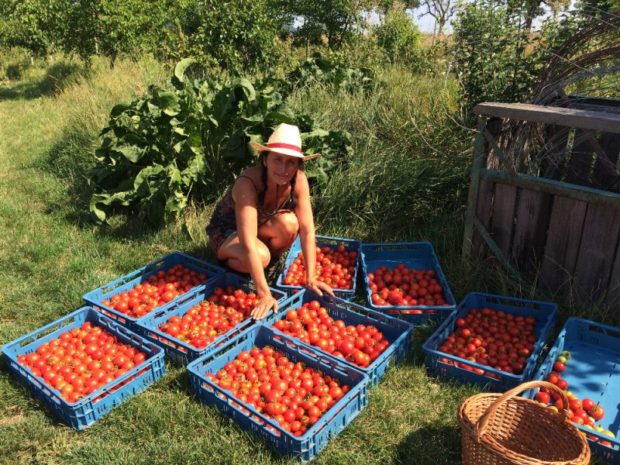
<point x="483" y="422"/>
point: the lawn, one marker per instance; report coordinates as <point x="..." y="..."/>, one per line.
<point x="399" y="186"/>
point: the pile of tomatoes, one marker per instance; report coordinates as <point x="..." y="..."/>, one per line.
<point x="404" y="286"/>
<point x="293" y="394"/>
<point x="335" y="267"/>
<point x="583" y="411"/>
<point x="81" y="360"/>
<point x="220" y="312"/>
<point x="493" y="338"/>
<point x="359" y="344"/>
<point x="159" y="289"/>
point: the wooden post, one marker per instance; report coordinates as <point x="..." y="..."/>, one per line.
<point x="472" y="200"/>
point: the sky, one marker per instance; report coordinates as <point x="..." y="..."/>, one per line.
<point x="427" y="23"/>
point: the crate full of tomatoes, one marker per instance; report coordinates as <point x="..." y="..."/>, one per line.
<point x="405" y="280"/>
<point x="368" y="340"/>
<point x="137" y="294"/>
<point x="290" y="395"/>
<point x="491" y="340"/>
<point x="336" y="265"/>
<point x="584" y="362"/>
<point x="217" y="312"/>
<point x="84" y="364"/>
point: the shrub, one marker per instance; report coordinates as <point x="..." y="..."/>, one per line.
<point x="398" y="36"/>
<point x="172" y="145"/>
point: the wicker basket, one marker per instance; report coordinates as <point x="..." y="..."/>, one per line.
<point x="506" y="429"/>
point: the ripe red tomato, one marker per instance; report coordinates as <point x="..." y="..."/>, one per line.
<point x="559" y="367"/>
<point x="486" y="336"/>
<point x="312" y="323"/>
<point x="158" y="289"/>
<point x="294" y="395"/>
<point x="402" y="286"/>
<point x="587" y="404"/>
<point x="217" y="314"/>
<point x="335" y="267"/>
<point x="81" y="361"/>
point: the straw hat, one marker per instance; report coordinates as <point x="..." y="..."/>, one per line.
<point x="285" y="140"/>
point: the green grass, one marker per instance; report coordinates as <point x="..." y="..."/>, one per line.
<point x="407" y="181"/>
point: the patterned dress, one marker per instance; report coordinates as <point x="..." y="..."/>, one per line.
<point x="223" y="221"/>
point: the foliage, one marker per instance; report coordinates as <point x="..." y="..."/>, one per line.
<point x="171" y="145"/>
<point x="489" y="55"/>
<point x="320" y="69"/>
<point x="233" y="34"/>
<point x="398" y="36"/>
<point x="111" y="27"/>
<point x="338" y="21"/>
<point x="30" y="24"/>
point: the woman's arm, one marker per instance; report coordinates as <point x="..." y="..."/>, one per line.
<point x="306" y="234"/>
<point x="244" y="195"/>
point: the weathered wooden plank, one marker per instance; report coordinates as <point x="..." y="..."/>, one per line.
<point x="484" y="210"/>
<point x="550" y="186"/>
<point x="581" y="160"/>
<point x="611" y="145"/>
<point x="605" y="175"/>
<point x="553" y="160"/>
<point x="494" y="129"/>
<point x="497" y="253"/>
<point x="532" y="219"/>
<point x="613" y="291"/>
<point x="502" y="222"/>
<point x="597" y="250"/>
<point x="479" y="160"/>
<point x="571" y="117"/>
<point x="562" y="244"/>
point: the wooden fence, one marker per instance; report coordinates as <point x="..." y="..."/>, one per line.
<point x="558" y="220"/>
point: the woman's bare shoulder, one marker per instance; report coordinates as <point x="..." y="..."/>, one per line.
<point x="254" y="174"/>
<point x="301" y="185"/>
<point x="247" y="183"/>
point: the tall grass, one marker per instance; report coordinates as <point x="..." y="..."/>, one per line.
<point x="410" y="161"/>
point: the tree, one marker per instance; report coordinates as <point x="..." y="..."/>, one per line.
<point x="597" y="8"/>
<point x="489" y="54"/>
<point x="111" y="27"/>
<point x="398" y="36"/>
<point x="441" y="10"/>
<point x="235" y="34"/>
<point x="30" y="24"/>
<point x="336" y="20"/>
<point x="386" y="5"/>
<point x="557" y="6"/>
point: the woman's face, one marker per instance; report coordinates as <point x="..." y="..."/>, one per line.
<point x="280" y="168"/>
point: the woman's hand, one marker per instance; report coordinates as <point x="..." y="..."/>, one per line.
<point x="266" y="303"/>
<point x="319" y="287"/>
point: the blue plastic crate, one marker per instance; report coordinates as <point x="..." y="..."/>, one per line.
<point x="492" y="379"/>
<point x="316" y="438"/>
<point x="90" y="408"/>
<point x="182" y="352"/>
<point x="416" y="255"/>
<point x="321" y="241"/>
<point x="591" y="372"/>
<point x="127" y="282"/>
<point x="396" y="331"/>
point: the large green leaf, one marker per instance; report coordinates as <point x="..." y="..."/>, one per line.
<point x="179" y="71"/>
<point x="168" y="147"/>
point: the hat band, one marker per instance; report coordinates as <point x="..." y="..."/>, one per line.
<point x="282" y="145"/>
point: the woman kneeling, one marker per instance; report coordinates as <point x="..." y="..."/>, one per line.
<point x="260" y="216"/>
